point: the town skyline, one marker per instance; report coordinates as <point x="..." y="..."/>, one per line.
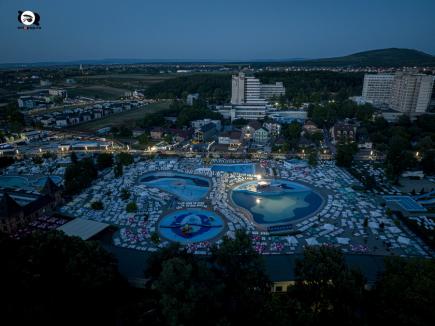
<point x="236" y="31"/>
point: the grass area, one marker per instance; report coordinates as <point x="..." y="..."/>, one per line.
<point x="128" y="118"/>
<point x="155" y="78"/>
<point x="97" y="91"/>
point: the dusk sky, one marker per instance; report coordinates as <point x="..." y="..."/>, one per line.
<point x="213" y="30"/>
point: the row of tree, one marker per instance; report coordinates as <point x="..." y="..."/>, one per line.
<point x="47" y="276"/>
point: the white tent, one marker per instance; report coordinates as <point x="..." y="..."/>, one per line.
<point x="343" y="241"/>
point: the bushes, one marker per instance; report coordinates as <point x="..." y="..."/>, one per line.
<point x="131" y="207"/>
<point x="79" y="175"/>
<point x="97" y="205"/>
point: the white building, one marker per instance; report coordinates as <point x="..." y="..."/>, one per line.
<point x="57" y="92"/>
<point x="198" y="124"/>
<point x="269" y="91"/>
<point x="249" y="90"/>
<point x="192" y="97"/>
<point x="406" y="92"/>
<point x="411" y="93"/>
<point x="377" y="88"/>
<point x="243" y="111"/>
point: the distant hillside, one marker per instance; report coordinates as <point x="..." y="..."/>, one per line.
<point x="378" y="58"/>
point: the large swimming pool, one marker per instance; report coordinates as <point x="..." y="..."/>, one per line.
<point x="276" y="201"/>
<point x="186" y="187"/>
<point x="190" y="225"/>
<point x="235" y="168"/>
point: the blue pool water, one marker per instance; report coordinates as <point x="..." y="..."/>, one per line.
<point x="14" y="182"/>
<point x="185" y="187"/>
<point x="190" y="225"/>
<point x="281" y="201"/>
<point x="237" y="168"/>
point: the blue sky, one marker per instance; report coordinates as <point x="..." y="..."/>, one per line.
<point x="224" y="29"/>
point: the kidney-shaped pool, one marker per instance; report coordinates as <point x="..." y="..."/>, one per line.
<point x="276" y="201"/>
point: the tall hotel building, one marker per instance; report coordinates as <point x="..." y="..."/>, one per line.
<point x="377" y="88"/>
<point x="249" y="98"/>
<point x="249" y="90"/>
<point x="411" y="93"/>
<point x="406" y="92"/>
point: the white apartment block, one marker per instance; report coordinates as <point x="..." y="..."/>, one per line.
<point x="411" y="93"/>
<point x="377" y="88"/>
<point x="249" y="90"/>
<point x="269" y="91"/>
<point x="406" y="92"/>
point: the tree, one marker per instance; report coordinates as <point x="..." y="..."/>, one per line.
<point x="118" y="169"/>
<point x="312" y="158"/>
<point x="405" y="294"/>
<point x="97" y="205"/>
<point x="37" y="160"/>
<point x="428" y="162"/>
<point x="104" y="161"/>
<point x="125" y="194"/>
<point x="344" y="156"/>
<point x="327" y="289"/>
<point x="5" y="161"/>
<point x="125" y="158"/>
<point x="233" y="258"/>
<point x="131" y="207"/>
<point x="79" y="175"/>
<point x="53" y="270"/>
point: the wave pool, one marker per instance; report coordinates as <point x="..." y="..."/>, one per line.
<point x="276" y="201"/>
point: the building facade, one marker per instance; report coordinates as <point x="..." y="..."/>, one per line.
<point x="377" y="88"/>
<point x="411" y="93"/>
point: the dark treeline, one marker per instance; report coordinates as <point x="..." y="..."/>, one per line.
<point x="316" y="86"/>
<point x="214" y="87"/>
<point x="49" y="278"/>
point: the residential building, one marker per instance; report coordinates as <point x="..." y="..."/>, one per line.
<point x="191" y="98"/>
<point x="19" y="207"/>
<point x="273" y="128"/>
<point x="261" y="135"/>
<point x="377" y="88"/>
<point x="411" y="93"/>
<point x="249" y="129"/>
<point x="243" y="111"/>
<point x="157" y="133"/>
<point x="343" y="131"/>
<point x="205" y="133"/>
<point x="58" y="92"/>
<point x="249" y="90"/>
<point x="197" y="124"/>
<point x="310" y="127"/>
<point x="269" y="91"/>
<point x="406" y="92"/>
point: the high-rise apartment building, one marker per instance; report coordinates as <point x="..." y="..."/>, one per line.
<point x="405" y="92"/>
<point x="377" y="88"/>
<point x="249" y="90"/>
<point x="411" y="93"/>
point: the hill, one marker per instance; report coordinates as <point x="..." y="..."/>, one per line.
<point x="392" y="57"/>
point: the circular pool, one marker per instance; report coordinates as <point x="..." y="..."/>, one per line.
<point x="191" y="225"/>
<point x="185" y="186"/>
<point x="276" y="201"/>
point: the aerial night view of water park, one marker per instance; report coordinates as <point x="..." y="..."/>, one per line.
<point x="217" y="163"/>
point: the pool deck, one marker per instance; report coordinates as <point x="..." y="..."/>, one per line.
<point x="339" y="222"/>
